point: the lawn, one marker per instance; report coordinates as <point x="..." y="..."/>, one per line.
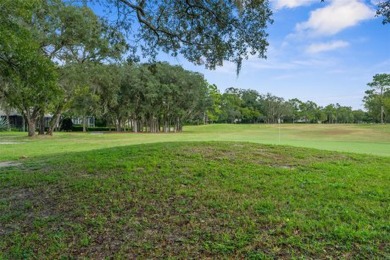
<point x="110" y="196"/>
<point x="367" y="139"/>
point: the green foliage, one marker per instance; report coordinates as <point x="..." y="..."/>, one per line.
<point x="249" y="106"/>
<point x="203" y="32"/>
<point x="377" y="98"/>
<point x="79" y="128"/>
<point x="33" y="34"/>
<point x="66" y="124"/>
<point x="384" y="10"/>
<point x="155" y="97"/>
<point x="29" y="78"/>
<point x="213" y="103"/>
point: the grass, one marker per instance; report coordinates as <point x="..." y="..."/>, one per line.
<point x="367" y="139"/>
<point x="97" y="196"/>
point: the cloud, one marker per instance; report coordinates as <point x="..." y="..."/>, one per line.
<point x="375" y="2"/>
<point x="337" y="16"/>
<point x="328" y="46"/>
<point x="291" y="3"/>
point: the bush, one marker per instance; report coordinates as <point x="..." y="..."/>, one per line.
<point x="79" y="128"/>
<point x="102" y="129"/>
<point x="67" y="125"/>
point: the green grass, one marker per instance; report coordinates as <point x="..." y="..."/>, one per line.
<point x="367" y="139"/>
<point x="110" y="196"/>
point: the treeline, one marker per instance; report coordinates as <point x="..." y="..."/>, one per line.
<point x="137" y="97"/>
<point x="63" y="60"/>
<point x="159" y="97"/>
<point x="249" y="106"/>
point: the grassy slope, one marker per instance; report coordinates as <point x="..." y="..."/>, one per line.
<point x="193" y="200"/>
<point x="369" y="139"/>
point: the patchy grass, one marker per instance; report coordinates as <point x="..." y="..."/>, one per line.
<point x="195" y="200"/>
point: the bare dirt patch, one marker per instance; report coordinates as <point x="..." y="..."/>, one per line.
<point x="9" y="164"/>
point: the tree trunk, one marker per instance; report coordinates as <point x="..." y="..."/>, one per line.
<point x="118" y="125"/>
<point x="23" y="124"/>
<point x="7" y="120"/>
<point x="31" y="117"/>
<point x="84" y="124"/>
<point x="54" y="121"/>
<point x="31" y="126"/>
<point x="135" y="126"/>
<point x="151" y="125"/>
<point x="382" y="114"/>
<point x="178" y="127"/>
<point x="41" y="124"/>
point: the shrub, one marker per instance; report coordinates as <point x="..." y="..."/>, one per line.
<point x="79" y="128"/>
<point x="67" y="124"/>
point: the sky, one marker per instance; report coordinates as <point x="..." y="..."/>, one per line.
<point x="325" y="52"/>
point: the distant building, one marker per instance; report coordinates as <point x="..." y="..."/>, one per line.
<point x="79" y="121"/>
<point x="15" y="120"/>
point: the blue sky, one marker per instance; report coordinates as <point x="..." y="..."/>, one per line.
<point x="323" y="52"/>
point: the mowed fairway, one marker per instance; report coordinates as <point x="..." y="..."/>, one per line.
<point x="367" y="139"/>
<point x="184" y="195"/>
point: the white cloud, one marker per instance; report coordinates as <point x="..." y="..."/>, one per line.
<point x="291" y="3"/>
<point x="337" y="16"/>
<point x="328" y="46"/>
<point x="375" y="2"/>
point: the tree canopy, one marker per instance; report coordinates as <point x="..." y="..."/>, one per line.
<point x="377" y="99"/>
<point x="204" y="32"/>
<point x="384" y="10"/>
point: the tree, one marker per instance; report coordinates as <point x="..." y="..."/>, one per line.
<point x="295" y="106"/>
<point x="231" y="104"/>
<point x="380" y="84"/>
<point x="320" y="115"/>
<point x="359" y="116"/>
<point x="384" y="10"/>
<point x="84" y="103"/>
<point x="345" y="114"/>
<point x="273" y="108"/>
<point x="181" y="95"/>
<point x="151" y="97"/>
<point x="309" y="110"/>
<point x="250" y="105"/>
<point x="331" y="113"/>
<point x="204" y="32"/>
<point x="29" y="78"/>
<point x="7" y="109"/>
<point x="36" y="33"/>
<point x="214" y="99"/>
<point x="75" y="35"/>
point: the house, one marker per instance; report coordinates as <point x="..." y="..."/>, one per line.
<point x="79" y="121"/>
<point x="15" y="120"/>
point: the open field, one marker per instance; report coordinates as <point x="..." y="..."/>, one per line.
<point x="368" y="139"/>
<point x="110" y="196"/>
